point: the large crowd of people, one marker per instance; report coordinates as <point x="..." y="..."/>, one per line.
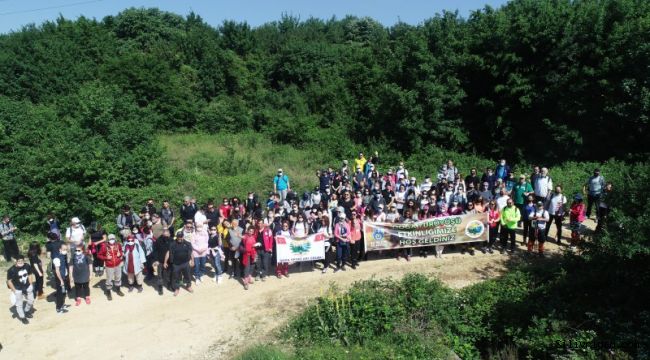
<point x="169" y="248"/>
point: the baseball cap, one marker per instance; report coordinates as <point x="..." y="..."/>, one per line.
<point x="75" y="220"/>
<point x="111" y="237"/>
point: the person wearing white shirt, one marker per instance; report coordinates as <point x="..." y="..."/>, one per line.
<point x="200" y="218"/>
<point x="543" y="186"/>
<point x="539" y="222"/>
<point x="556" y="205"/>
<point x="502" y="200"/>
<point x="76" y="233"/>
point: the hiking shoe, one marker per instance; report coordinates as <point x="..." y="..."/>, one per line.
<point x="108" y="295"/>
<point x="29" y="314"/>
<point x="24" y="321"/>
<point x="119" y="292"/>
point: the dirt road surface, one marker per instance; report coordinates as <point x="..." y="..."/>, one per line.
<point x="214" y="322"/>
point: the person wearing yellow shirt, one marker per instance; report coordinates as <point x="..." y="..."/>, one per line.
<point x="510" y="215"/>
<point x="360" y="162"/>
<point x="223" y="230"/>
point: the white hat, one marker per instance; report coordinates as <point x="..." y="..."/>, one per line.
<point x="345" y="161"/>
<point x="75" y="220"/>
<point x="280" y="170"/>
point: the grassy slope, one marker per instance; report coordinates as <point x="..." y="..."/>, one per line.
<point x="214" y="166"/>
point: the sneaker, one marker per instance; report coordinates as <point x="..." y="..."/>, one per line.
<point x="337" y="270"/>
<point x="119" y="292"/>
<point x="490" y="250"/>
<point x="286" y="275"/>
<point x="77" y="302"/>
<point x="198" y="281"/>
<point x="108" y="295"/>
<point x="462" y="251"/>
<point x="130" y="288"/>
<point x="502" y="251"/>
<point x="24" y="321"/>
<point x="176" y="292"/>
<point x="245" y="286"/>
<point x="408" y="257"/>
<point x="140" y="289"/>
<point x="324" y="271"/>
<point x="41" y="296"/>
<point x="190" y="290"/>
<point x="572" y="248"/>
<point x="279" y="276"/>
<point x="29" y="314"/>
<point x="61" y="311"/>
<point x="483" y="250"/>
<point x="87" y="300"/>
<point x="342" y="268"/>
<point x="263" y="278"/>
<point x="219" y="279"/>
<point x="471" y="252"/>
<point x="160" y="290"/>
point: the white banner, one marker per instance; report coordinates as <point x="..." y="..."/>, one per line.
<point x="308" y="248"/>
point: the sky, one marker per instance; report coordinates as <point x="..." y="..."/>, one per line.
<point x="14" y="14"/>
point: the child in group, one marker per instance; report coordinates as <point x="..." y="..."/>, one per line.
<point x="81" y="266"/>
<point x="576" y="218"/>
<point x="36" y="264"/>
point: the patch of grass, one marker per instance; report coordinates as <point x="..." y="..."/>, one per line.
<point x="263" y="352"/>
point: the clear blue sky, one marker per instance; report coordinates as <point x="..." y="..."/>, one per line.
<point x="16" y="13"/>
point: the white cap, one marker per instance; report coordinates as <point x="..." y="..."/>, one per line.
<point x="75" y="220"/>
<point x="280" y="170"/>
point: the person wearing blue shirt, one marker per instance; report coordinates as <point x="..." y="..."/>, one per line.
<point x="281" y="185"/>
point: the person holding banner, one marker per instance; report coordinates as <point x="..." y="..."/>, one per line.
<point x="327" y="243"/>
<point x="405" y="252"/>
<point x="283" y="268"/>
<point x="342" y="238"/>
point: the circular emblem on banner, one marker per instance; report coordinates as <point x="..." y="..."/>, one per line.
<point x="378" y="234"/>
<point x="474" y="229"/>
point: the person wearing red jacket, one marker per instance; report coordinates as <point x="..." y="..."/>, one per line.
<point x="248" y="250"/>
<point x="112" y="255"/>
<point x="265" y="249"/>
<point x="576" y="217"/>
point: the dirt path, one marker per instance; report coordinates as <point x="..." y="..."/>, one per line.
<point x="214" y="322"/>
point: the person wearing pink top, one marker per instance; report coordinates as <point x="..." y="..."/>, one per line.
<point x="576" y="217"/>
<point x="265" y="251"/>
<point x="199" y="251"/>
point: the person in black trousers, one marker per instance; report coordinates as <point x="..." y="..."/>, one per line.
<point x="180" y="257"/>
